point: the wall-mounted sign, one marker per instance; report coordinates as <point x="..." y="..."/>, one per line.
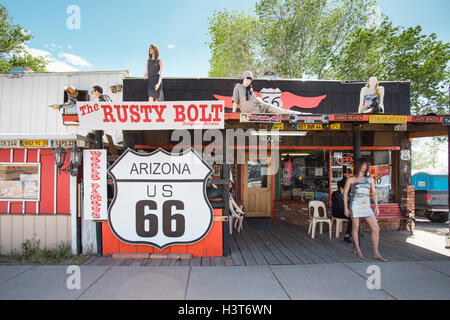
<point x="388" y="119"/>
<point x="294" y="118"/>
<point x="308" y="126"/>
<point x="34" y="143"/>
<point x="405" y="155"/>
<point x="160" y="198"/>
<point x="278" y="126"/>
<point x="335" y="126"/>
<point x="161" y="115"/>
<point x="95" y="185"/>
<point x="39" y="143"/>
<point x="260" y="117"/>
<point x="349" y="117"/>
<point x="446" y="121"/>
<point x="432" y="119"/>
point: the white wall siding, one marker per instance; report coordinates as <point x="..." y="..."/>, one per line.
<point x="24" y="100"/>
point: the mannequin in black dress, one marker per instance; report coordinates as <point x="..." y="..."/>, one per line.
<point x="153" y="73"/>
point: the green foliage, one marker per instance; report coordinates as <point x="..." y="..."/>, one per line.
<point x="399" y="54"/>
<point x="294" y="38"/>
<point x="233" y="44"/>
<point x="425" y="155"/>
<point x="331" y="39"/>
<point x="12" y="41"/>
<point x="300" y="37"/>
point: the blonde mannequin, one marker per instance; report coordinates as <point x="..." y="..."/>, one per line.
<point x="371" y="94"/>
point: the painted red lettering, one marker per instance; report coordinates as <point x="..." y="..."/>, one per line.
<point x="159" y="111"/>
<point x="179" y="113"/>
<point x="107" y="113"/>
<point x="203" y="118"/>
<point x="216" y="108"/>
<point x="125" y="115"/>
<point x="135" y="116"/>
<point x="147" y="110"/>
<point x="189" y="113"/>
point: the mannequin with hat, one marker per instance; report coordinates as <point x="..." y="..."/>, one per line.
<point x="72" y="94"/>
<point x="248" y="102"/>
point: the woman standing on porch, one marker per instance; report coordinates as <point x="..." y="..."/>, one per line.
<point x="362" y="184"/>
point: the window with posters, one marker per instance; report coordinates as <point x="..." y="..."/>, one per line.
<point x="20" y="181"/>
<point x="305" y="176"/>
<point x="380" y="171"/>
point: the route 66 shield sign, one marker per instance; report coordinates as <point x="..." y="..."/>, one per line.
<point x="160" y="198"/>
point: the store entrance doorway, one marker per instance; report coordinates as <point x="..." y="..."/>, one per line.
<point x="257" y="186"/>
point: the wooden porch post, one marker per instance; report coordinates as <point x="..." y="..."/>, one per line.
<point x="226" y="199"/>
<point x="356" y="142"/>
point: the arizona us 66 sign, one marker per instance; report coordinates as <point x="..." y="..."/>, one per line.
<point x="160" y="198"/>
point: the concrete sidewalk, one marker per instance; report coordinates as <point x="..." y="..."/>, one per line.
<point x="424" y="280"/>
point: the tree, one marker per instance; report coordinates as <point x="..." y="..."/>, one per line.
<point x="332" y="39"/>
<point x="294" y="38"/>
<point x="12" y="41"/>
<point x="399" y="54"/>
<point x="233" y="43"/>
<point x="425" y="155"/>
<point x="300" y="37"/>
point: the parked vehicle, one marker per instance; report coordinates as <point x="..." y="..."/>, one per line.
<point x="431" y="196"/>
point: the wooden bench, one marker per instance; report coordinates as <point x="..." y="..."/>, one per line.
<point x="393" y="211"/>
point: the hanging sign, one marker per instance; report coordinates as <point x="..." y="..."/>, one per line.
<point x="95" y="185"/>
<point x="159" y="115"/>
<point x="160" y="198"/>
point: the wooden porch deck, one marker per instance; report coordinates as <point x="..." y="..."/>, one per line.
<point x="265" y="241"/>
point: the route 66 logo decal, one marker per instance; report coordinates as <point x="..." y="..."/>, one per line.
<point x="160" y="198"/>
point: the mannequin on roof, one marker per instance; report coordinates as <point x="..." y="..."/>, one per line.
<point x="371" y="98"/>
<point x="248" y="102"/>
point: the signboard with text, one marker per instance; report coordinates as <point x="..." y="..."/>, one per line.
<point x="95" y="185"/>
<point x="388" y="119"/>
<point x="159" y="115"/>
<point x="260" y="117"/>
<point x="160" y="198"/>
<point x="294" y="118"/>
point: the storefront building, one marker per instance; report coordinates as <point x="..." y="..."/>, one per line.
<point x="294" y="161"/>
<point x="38" y="200"/>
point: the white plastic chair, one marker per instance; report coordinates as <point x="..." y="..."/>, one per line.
<point x="339" y="225"/>
<point x="318" y="214"/>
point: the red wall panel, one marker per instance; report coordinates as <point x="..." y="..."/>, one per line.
<point x="210" y="246"/>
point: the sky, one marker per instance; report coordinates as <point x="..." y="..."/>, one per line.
<point x="116" y="34"/>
